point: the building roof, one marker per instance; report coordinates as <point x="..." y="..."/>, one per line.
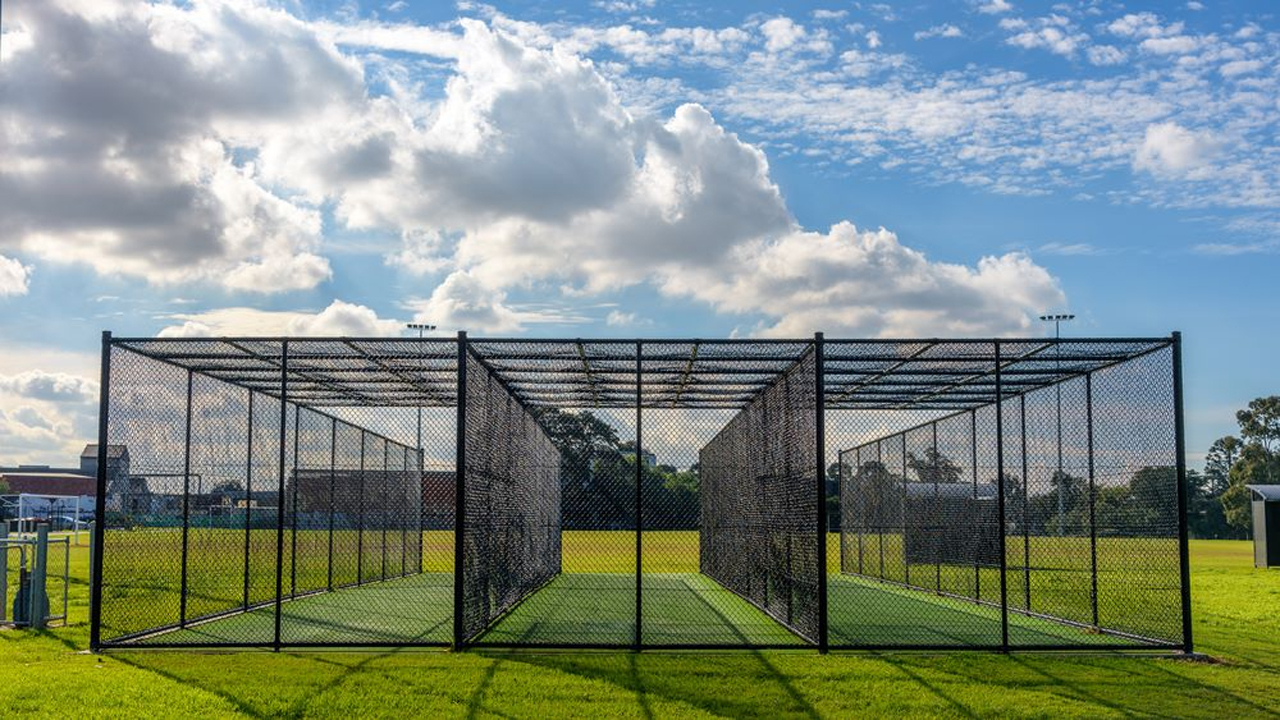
<point x="113" y="451"/>
<point x="50" y="483"/>
<point x="1265" y="493"/>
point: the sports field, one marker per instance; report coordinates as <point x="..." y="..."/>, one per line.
<point x="49" y="673"/>
<point x="378" y="597"/>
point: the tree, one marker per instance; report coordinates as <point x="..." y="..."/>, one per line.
<point x="1260" y="423"/>
<point x="1217" y="464"/>
<point x="4" y="487"/>
<point x="1255" y="466"/>
<point x="934" y="467"/>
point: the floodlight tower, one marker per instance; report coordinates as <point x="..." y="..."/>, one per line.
<point x="420" y="327"/>
<point x="1057" y="321"/>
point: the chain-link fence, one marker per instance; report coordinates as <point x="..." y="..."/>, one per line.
<point x="641" y="494"/>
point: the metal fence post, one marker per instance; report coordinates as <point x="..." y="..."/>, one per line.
<point x="1000" y="509"/>
<point x="1180" y="443"/>
<point x="360" y="516"/>
<point x="293" y="510"/>
<point x="186" y="507"/>
<point x="1093" y="492"/>
<point x="248" y="499"/>
<point x="973" y="455"/>
<point x="100" y="507"/>
<point x="284" y="406"/>
<point x="405" y="474"/>
<point x="333" y="479"/>
<point x="1026" y="530"/>
<point x="933" y="545"/>
<point x="37" y="593"/>
<point x="820" y="442"/>
<point x="382" y="515"/>
<point x="639" y="506"/>
<point x="906" y="559"/>
<point x="459" y="496"/>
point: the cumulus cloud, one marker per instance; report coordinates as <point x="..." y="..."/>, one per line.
<point x="943" y="31"/>
<point x="993" y="7"/>
<point x="46" y="415"/>
<point x="1170" y="149"/>
<point x="1054" y="33"/>
<point x="339" y="319"/>
<point x="14" y="277"/>
<point x="120" y="134"/>
<point x="49" y="386"/>
<point x="781" y="33"/>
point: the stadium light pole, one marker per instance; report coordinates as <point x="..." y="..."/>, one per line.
<point x="421" y="328"/>
<point x="1057" y="321"/>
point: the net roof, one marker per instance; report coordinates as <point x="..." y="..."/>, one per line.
<point x="931" y="374"/>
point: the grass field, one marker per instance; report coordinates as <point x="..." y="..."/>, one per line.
<point x="48" y="673"/>
<point x="593" y="602"/>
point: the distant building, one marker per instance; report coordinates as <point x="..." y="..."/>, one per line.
<point x="51" y="481"/>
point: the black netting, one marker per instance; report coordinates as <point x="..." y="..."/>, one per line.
<point x="759" y="504"/>
<point x="511" y="502"/>
<point x="1090" y="531"/>
<point x="666" y="493"/>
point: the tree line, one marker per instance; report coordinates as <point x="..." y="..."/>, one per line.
<point x="1218" y="501"/>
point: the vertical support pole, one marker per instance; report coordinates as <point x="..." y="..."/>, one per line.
<point x="639" y="500"/>
<point x="880" y="519"/>
<point x="1000" y="510"/>
<point x="293" y="511"/>
<point x="906" y="560"/>
<point x="100" y="507"/>
<point x="360" y="516"/>
<point x="820" y="442"/>
<point x="248" y="499"/>
<point x="404" y="529"/>
<point x="1026" y="531"/>
<point x="284" y="405"/>
<point x="459" y="496"/>
<point x="186" y="507"/>
<point x="1180" y="442"/>
<point x="1093" y="526"/>
<point x="382" y="498"/>
<point x="978" y="548"/>
<point x="422" y="512"/>
<point x="37" y="589"/>
<point x="4" y="567"/>
<point x="333" y="481"/>
<point x="935" y="516"/>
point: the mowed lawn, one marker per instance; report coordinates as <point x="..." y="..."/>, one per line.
<point x="1235" y="606"/>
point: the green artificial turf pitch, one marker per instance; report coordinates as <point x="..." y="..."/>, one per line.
<point x="599" y="608"/>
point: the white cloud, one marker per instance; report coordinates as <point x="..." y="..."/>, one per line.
<point x="1071" y="249"/>
<point x="338" y="319"/>
<point x="119" y="148"/>
<point x="1193" y="5"/>
<point x="1176" y="44"/>
<point x="781" y="33"/>
<point x="462" y="302"/>
<point x="993" y="7"/>
<point x="1170" y="149"/>
<point x="943" y="31"/>
<point x="46" y="416"/>
<point x="1054" y="33"/>
<point x="1241" y="67"/>
<point x="873" y="39"/>
<point x="14" y="277"/>
<point x="1105" y="55"/>
<point x="49" y="386"/>
<point x="617" y="318"/>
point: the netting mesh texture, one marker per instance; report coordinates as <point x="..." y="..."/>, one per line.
<point x="1089" y="477"/>
<point x="759" y="505"/>
<point x="511" y="502"/>
<point x="656" y="493"/>
<point x="200" y="526"/>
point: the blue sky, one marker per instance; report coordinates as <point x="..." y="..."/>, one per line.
<point x="634" y="168"/>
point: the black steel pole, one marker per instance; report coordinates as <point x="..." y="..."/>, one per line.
<point x="248" y="498"/>
<point x="100" y="509"/>
<point x="293" y="511"/>
<point x="880" y="501"/>
<point x="459" y="497"/>
<point x="1093" y="492"/>
<point x="360" y="515"/>
<point x="639" y="508"/>
<point x="186" y="506"/>
<point x="1180" y="442"/>
<point x="906" y="561"/>
<point x="1000" y="510"/>
<point x="1026" y="530"/>
<point x="820" y="443"/>
<point x="382" y="501"/>
<point x="973" y="456"/>
<point x="934" y="517"/>
<point x="333" y="481"/>
<point x="284" y="405"/>
<point x="405" y="475"/>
